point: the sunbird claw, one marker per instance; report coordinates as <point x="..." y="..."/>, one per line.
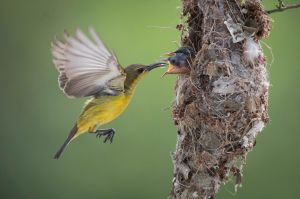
<point x="109" y="133"/>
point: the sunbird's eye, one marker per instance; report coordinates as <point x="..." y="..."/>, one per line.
<point x="140" y="70"/>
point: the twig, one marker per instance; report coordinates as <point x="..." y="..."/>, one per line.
<point x="282" y="7"/>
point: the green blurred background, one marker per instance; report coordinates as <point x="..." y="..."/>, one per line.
<point x="36" y="117"/>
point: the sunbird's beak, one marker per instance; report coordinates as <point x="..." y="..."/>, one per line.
<point x="155" y="65"/>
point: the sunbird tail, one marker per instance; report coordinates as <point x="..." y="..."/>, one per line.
<point x="65" y="144"/>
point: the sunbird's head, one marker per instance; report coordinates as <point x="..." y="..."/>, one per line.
<point x="136" y="71"/>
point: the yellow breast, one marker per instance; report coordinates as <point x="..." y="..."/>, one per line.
<point x="99" y="111"/>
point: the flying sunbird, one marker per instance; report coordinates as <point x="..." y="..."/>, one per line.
<point x="88" y="69"/>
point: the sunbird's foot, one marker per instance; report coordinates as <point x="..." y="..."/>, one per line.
<point x="109" y="133"/>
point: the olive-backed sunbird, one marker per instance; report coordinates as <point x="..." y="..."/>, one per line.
<point x="87" y="68"/>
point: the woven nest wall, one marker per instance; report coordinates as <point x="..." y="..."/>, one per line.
<point x="222" y="104"/>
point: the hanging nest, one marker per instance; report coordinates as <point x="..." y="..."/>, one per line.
<point x="221" y="106"/>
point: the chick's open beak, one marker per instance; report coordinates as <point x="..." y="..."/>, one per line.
<point x="170" y="54"/>
<point x="155" y="65"/>
<point x="176" y="69"/>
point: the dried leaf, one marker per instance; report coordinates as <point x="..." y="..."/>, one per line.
<point x="235" y="30"/>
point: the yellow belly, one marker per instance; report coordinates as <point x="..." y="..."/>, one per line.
<point x="99" y="111"/>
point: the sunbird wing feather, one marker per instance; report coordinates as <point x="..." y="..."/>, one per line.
<point x="87" y="67"/>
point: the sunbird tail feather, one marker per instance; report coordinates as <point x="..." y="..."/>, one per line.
<point x="65" y="144"/>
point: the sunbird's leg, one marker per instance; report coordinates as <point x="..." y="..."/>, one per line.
<point x="109" y="133"/>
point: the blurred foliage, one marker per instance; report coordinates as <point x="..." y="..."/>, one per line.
<point x="36" y="117"/>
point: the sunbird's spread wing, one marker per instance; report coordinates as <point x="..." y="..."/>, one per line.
<point x="87" y="67"/>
